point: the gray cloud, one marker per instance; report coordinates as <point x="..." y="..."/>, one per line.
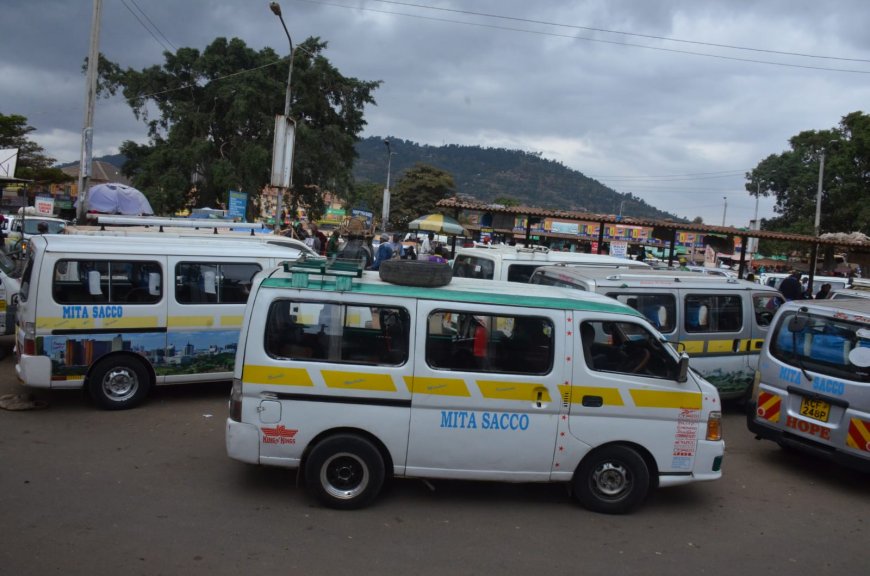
<point x="640" y="120"/>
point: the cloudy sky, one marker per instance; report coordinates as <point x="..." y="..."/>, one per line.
<point x="671" y="100"/>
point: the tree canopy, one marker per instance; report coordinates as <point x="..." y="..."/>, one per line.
<point x="417" y="192"/>
<point x="32" y="162"/>
<point x="211" y="117"/>
<point x="793" y="176"/>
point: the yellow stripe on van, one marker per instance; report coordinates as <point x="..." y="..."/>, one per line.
<point x="501" y="390"/>
<point x="50" y="323"/>
<point x="189" y="321"/>
<point x="439" y="386"/>
<point x="234" y="321"/>
<point x="131" y="322"/>
<point x="358" y="381"/>
<point x="693" y="346"/>
<point x="661" y="399"/>
<point x="720" y="346"/>
<point x="275" y="375"/>
<point x="610" y="396"/>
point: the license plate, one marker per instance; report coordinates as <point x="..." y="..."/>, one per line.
<point x="815" y="409"/>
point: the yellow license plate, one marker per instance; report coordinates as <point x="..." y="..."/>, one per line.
<point x="815" y="409"/>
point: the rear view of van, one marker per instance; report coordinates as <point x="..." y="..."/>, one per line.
<point x="812" y="390"/>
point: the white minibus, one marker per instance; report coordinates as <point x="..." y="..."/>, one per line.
<point x="118" y="315"/>
<point x="354" y="379"/>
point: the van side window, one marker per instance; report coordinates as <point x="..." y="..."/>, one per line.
<point x="625" y="348"/>
<point x="714" y="313"/>
<point x="107" y="281"/>
<point x="549" y="280"/>
<point x="466" y="266"/>
<point x="765" y="306"/>
<point x="322" y="331"/>
<point x="521" y="272"/>
<point x="483" y="343"/>
<point x="207" y="283"/>
<point x="659" y="309"/>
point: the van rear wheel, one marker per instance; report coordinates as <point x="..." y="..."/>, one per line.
<point x="119" y="383"/>
<point x="345" y="472"/>
<point x="612" y="480"/>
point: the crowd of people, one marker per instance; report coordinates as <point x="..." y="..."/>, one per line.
<point x="359" y="247"/>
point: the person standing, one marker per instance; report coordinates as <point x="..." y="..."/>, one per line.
<point x="426" y="247"/>
<point x="824" y="292"/>
<point x="396" y="245"/>
<point x="384" y="253"/>
<point x="791" y="286"/>
<point x="321" y="239"/>
<point x="333" y="244"/>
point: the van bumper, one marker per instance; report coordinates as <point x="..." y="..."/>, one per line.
<point x="766" y="431"/>
<point x="243" y="442"/>
<point x="34" y="371"/>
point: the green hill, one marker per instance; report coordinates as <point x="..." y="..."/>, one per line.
<point x="489" y="173"/>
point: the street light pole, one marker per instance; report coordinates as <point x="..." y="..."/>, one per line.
<point x="385" y="210"/>
<point x="725" y="209"/>
<point x="85" y="160"/>
<point x="819" y="194"/>
<point x="283" y="147"/>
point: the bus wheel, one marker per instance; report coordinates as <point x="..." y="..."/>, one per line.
<point x="345" y="472"/>
<point x="612" y="480"/>
<point x="118" y="383"/>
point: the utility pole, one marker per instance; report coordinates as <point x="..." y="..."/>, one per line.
<point x="90" y="98"/>
<point x="285" y="134"/>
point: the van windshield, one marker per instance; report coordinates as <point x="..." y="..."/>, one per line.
<point x="822" y="345"/>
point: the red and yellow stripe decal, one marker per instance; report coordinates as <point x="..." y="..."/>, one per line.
<point x="859" y="435"/>
<point x="769" y="406"/>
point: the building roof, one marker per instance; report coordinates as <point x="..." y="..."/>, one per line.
<point x="100" y="172"/>
<point x="460" y="204"/>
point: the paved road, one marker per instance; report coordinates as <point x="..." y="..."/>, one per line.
<point x="151" y="491"/>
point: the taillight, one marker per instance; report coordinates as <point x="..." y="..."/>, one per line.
<point x="714" y="426"/>
<point x="236" y="400"/>
<point x="29" y="347"/>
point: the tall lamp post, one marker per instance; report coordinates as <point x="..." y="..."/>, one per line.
<point x="725" y="209"/>
<point x="814" y="253"/>
<point x="385" y="210"/>
<point x="285" y="135"/>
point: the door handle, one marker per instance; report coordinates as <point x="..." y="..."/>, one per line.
<point x="592" y="401"/>
<point x="735" y="347"/>
<point x="539" y="399"/>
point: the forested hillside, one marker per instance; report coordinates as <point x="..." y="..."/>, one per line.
<point x="489" y="173"/>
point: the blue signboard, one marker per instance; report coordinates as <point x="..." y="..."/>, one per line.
<point x="238" y="205"/>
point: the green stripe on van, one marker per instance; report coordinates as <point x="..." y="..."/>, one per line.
<point x="460" y="296"/>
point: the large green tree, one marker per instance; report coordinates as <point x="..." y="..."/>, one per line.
<point x="417" y="192"/>
<point x="32" y="162"/>
<point x="211" y="116"/>
<point x="793" y="176"/>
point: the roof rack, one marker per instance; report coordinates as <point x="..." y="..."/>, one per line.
<point x="178" y="222"/>
<point x="687" y="278"/>
<point x="344" y="271"/>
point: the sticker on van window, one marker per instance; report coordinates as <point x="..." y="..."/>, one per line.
<point x="686" y="438"/>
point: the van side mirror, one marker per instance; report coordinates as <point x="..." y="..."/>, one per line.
<point x="683" y="370"/>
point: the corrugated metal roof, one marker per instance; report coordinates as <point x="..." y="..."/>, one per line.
<point x="457" y="204"/>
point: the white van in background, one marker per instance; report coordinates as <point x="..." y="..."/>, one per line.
<point x="9" y="288"/>
<point x="516" y="264"/>
<point x="720" y="322"/>
<point x="118" y="315"/>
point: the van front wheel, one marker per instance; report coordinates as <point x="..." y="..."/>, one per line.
<point x="612" y="480"/>
<point x="119" y="383"/>
<point x="345" y="472"/>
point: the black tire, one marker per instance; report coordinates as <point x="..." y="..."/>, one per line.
<point x="119" y="383"/>
<point x="416" y="273"/>
<point x="612" y="480"/>
<point x="345" y="472"/>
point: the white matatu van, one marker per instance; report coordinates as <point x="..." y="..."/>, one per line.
<point x="516" y="264"/>
<point x="118" y="315"/>
<point x="355" y="379"/>
<point x="720" y="322"/>
<point x="9" y="287"/>
<point x="812" y="390"/>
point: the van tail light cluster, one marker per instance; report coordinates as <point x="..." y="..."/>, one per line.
<point x="29" y="347"/>
<point x="714" y="426"/>
<point x="236" y="401"/>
